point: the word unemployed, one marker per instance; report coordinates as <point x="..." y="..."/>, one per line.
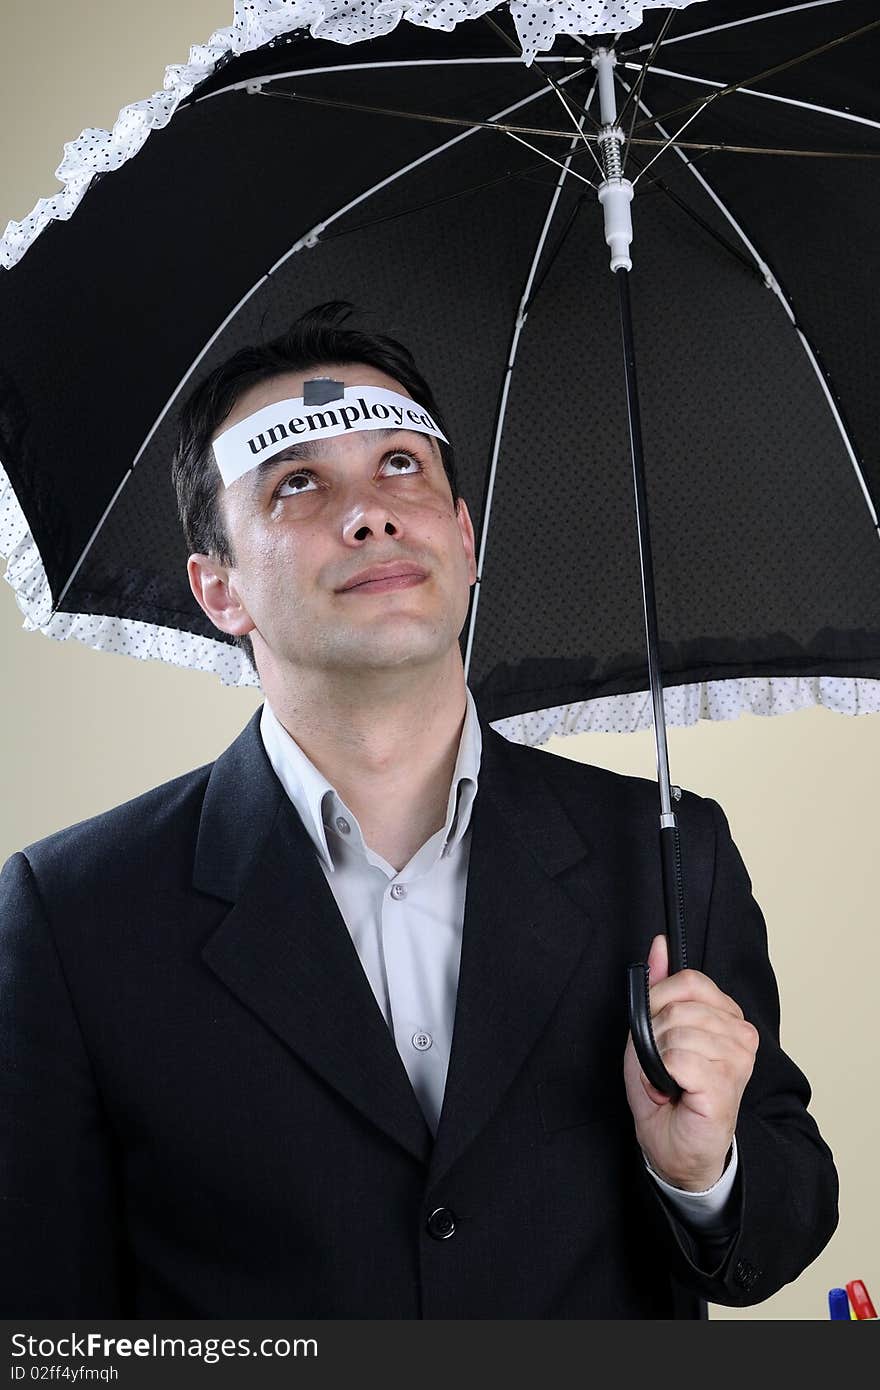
<point x="266" y="432"/>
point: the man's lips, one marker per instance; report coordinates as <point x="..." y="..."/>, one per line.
<point x="391" y="575"/>
<point x="377" y="586"/>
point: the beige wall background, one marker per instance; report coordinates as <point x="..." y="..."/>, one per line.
<point x="82" y="730"/>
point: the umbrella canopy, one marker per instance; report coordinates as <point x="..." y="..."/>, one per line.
<point x="404" y="173"/>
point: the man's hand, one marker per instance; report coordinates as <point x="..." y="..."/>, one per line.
<point x="709" y="1049"/>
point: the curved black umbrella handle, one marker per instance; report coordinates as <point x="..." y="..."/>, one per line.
<point x="637" y="979"/>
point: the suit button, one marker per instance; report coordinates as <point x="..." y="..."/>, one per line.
<point x="441" y="1223"/>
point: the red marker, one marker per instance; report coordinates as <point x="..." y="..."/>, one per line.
<point x="858" y="1297"/>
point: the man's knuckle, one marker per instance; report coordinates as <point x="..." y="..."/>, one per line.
<point x="750" y="1034"/>
<point x="675" y="1013"/>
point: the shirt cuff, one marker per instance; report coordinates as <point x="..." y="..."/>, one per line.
<point x="702" y="1210"/>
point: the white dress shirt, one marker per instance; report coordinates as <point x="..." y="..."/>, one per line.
<point x="406" y="926"/>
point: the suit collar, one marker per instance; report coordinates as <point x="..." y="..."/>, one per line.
<point x="284" y="950"/>
<point x="244" y="795"/>
<point x="317" y="800"/>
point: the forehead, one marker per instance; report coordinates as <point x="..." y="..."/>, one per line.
<point x="340" y="449"/>
<point x="290" y="385"/>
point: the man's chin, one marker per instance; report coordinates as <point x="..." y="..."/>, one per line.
<point x="390" y="652"/>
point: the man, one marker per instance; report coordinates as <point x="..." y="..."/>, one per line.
<point x="335" y="1026"/>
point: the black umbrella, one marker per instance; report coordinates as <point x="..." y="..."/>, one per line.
<point x="439" y="180"/>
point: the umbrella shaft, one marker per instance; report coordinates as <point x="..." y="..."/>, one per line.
<point x="641" y="498"/>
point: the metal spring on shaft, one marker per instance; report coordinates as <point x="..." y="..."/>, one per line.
<point x="609" y="142"/>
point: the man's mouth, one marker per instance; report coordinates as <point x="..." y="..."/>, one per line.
<point x="392" y="574"/>
<point x="381" y="586"/>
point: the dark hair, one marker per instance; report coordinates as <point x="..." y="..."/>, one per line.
<point x="316" y="337"/>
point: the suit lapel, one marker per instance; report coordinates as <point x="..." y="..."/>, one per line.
<point x="522" y="938"/>
<point x="285" y="951"/>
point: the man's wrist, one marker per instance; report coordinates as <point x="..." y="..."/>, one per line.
<point x="709" y="1211"/>
<point x="695" y="1184"/>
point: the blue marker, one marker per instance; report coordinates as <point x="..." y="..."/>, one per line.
<point x="838" y="1304"/>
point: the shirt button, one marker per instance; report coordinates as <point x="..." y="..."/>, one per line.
<point x="422" y="1041"/>
<point x="398" y="891"/>
<point x="441" y="1223"/>
<point x="342" y="825"/>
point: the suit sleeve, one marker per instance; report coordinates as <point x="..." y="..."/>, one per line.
<point x="59" y="1222"/>
<point x="783" y="1207"/>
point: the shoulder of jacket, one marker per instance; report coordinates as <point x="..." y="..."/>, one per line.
<point x="145" y="821"/>
<point x="563" y="772"/>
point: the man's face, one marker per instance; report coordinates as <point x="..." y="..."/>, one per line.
<point x="302" y="529"/>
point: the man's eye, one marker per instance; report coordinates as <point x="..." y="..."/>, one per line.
<point x="294" y="480"/>
<point x="402" y="454"/>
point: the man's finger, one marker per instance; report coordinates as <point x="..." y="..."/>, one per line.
<point x="715" y="1047"/>
<point x="690" y="1013"/>
<point x="658" y="959"/>
<point x="692" y="985"/>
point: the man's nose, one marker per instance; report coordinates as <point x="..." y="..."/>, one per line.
<point x="369" y="514"/>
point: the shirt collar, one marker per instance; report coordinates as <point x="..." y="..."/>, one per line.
<point x="316" y="799"/>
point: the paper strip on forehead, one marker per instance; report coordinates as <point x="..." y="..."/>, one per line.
<point x="277" y="426"/>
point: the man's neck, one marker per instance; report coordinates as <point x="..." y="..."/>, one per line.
<point x="388" y="745"/>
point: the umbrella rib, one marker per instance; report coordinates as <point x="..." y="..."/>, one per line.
<point x="583" y="178"/>
<point x="657" y="182"/>
<point x="723" y="146"/>
<point x="448" y="198"/>
<point x="737" y="23"/>
<point x="637" y="89"/>
<point x="563" y="97"/>
<point x="470" y="123"/>
<point x="551" y="259"/>
<point x="90" y="542"/>
<point x="526" y="300"/>
<point x="707" y="226"/>
<point x="254" y="84"/>
<point x="773" y="284"/>
<point x="767" y="96"/>
<point x="474" y="124"/>
<point x="769" y="72"/>
<point x="673" y="140"/>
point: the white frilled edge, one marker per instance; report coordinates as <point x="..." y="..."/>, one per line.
<point x="256" y="22"/>
<point x="621" y="714"/>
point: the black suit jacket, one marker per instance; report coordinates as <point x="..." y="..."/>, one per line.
<point x="204" y="1113"/>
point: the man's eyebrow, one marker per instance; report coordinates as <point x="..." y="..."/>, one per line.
<point x="309" y="451"/>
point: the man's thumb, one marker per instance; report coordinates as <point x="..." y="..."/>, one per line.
<point x="658" y="959"/>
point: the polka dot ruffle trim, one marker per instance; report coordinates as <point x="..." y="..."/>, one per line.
<point x="257" y="22"/>
<point x="125" y="636"/>
<point x="685" y="704"/>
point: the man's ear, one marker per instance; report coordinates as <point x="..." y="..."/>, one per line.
<point x="466" y="526"/>
<point x="209" y="581"/>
